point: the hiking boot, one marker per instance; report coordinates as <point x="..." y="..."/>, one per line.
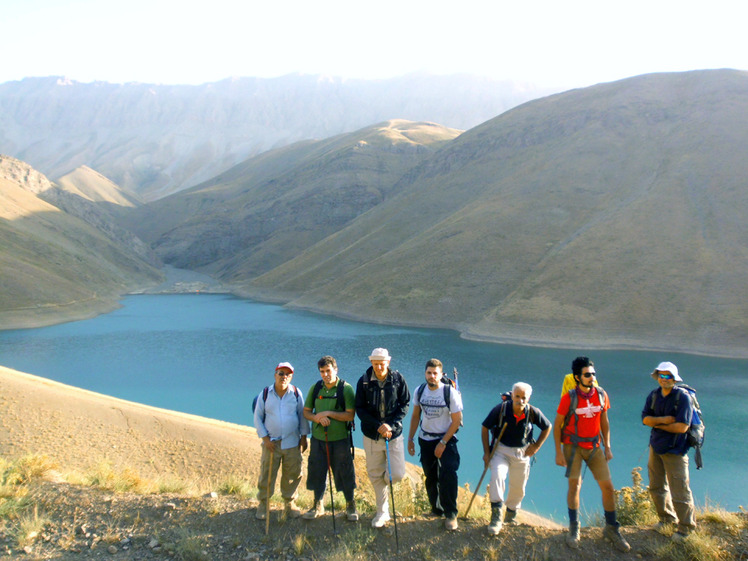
<point x="380" y="519"/>
<point x="509" y="516"/>
<point x="318" y="509"/>
<point x="350" y="511"/>
<point x="572" y="538"/>
<point x="261" y="511"/>
<point x="435" y="513"/>
<point x="679" y="537"/>
<point x="451" y="523"/>
<point x="291" y="510"/>
<point x="494" y="527"/>
<point x="613" y="535"/>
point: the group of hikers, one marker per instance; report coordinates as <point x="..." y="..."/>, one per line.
<point x="381" y="400"/>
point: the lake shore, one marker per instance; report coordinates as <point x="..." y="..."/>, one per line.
<point x="180" y="281"/>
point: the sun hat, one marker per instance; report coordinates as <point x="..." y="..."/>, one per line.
<point x="284" y="365"/>
<point x="667" y="367"/>
<point x="380" y="354"/>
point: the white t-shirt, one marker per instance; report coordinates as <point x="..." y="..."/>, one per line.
<point x="435" y="419"/>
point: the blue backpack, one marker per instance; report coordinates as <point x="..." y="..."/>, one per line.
<point x="695" y="433"/>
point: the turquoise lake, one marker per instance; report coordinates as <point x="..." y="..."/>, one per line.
<point x="210" y="354"/>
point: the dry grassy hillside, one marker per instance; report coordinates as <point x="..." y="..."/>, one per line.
<point x="611" y="216"/>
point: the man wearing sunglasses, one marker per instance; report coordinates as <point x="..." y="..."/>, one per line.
<point x="668" y="411"/>
<point x="581" y="423"/>
<point x="280" y="423"/>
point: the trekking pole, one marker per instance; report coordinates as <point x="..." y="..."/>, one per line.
<point x="267" y="500"/>
<point x="485" y="469"/>
<point x="392" y="493"/>
<point x="329" y="473"/>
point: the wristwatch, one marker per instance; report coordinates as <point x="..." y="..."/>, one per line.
<point x="442" y="442"/>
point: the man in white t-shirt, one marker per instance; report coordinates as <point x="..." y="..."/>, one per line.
<point x="437" y="408"/>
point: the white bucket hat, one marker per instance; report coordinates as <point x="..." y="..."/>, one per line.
<point x="380" y="354"/>
<point x="667" y="367"/>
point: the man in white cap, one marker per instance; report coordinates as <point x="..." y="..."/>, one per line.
<point x="668" y="410"/>
<point x="382" y="398"/>
<point x="280" y="423"/>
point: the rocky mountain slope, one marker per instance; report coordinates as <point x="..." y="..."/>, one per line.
<point x="611" y="216"/>
<point x="61" y="256"/>
<point x="157" y="139"/>
<point x="271" y="208"/>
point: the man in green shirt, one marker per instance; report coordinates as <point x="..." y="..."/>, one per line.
<point x="330" y="405"/>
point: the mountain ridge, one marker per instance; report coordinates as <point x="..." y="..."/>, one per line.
<point x="157" y="139"/>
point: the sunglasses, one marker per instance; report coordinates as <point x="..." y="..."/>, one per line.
<point x="666" y="376"/>
<point x="588" y="375"/>
<point x="284" y="374"/>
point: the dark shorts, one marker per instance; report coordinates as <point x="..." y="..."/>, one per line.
<point x="341" y="461"/>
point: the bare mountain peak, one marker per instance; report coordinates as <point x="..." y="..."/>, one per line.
<point x="23" y="175"/>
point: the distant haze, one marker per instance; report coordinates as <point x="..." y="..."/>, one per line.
<point x="154" y="140"/>
<point x="610" y="217"/>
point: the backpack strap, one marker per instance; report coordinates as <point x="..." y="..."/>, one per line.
<point x="419" y="393"/>
<point x="574" y="438"/>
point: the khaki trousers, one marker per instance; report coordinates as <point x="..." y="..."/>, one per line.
<point x="290" y="459"/>
<point x="376" y="467"/>
<point x="669" y="487"/>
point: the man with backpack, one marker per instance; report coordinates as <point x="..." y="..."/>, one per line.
<point x="511" y="424"/>
<point x="330" y="405"/>
<point x="437" y="408"/>
<point x="280" y="423"/>
<point x="382" y="399"/>
<point x="668" y="410"/>
<point x="580" y="430"/>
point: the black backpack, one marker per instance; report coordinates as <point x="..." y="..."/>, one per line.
<point x="447" y="383"/>
<point x="339" y="406"/>
<point x="502" y="413"/>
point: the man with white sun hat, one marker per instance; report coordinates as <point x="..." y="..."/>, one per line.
<point x="382" y="399"/>
<point x="668" y="411"/>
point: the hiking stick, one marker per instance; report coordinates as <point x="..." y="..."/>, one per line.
<point x="267" y="500"/>
<point x="485" y="469"/>
<point x="329" y="473"/>
<point x="392" y="493"/>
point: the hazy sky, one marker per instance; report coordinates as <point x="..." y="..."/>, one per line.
<point x="547" y="42"/>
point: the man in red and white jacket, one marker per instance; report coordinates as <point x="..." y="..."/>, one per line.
<point x="581" y="426"/>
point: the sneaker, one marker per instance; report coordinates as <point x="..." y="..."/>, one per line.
<point x="261" y="511"/>
<point x="380" y="519"/>
<point x="613" y="535"/>
<point x="350" y="511"/>
<point x="291" y="510"/>
<point x="434" y="513"/>
<point x="318" y="509"/>
<point x="679" y="537"/>
<point x="572" y="538"/>
<point x="494" y="527"/>
<point x="451" y="523"/>
<point x="664" y="528"/>
<point x="509" y="516"/>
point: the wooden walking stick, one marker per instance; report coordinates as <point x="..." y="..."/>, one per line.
<point x="267" y="500"/>
<point x="485" y="469"/>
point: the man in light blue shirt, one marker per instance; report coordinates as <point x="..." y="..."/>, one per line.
<point x="280" y="422"/>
